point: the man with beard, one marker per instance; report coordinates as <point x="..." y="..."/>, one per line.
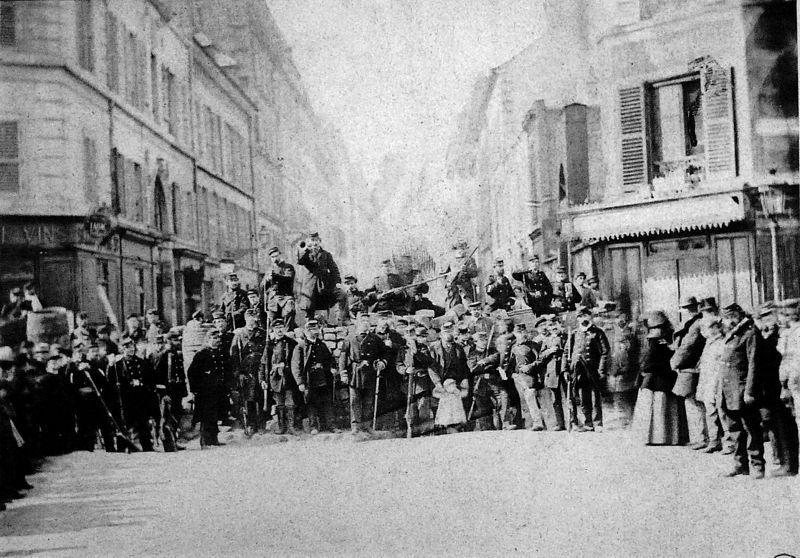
<point x="740" y="377"/>
<point x="246" y="352"/>
<point x="234" y="302"/>
<point x="312" y="365"/>
<point x="565" y="294"/>
<point x="209" y="374"/>
<point x="361" y="362"/>
<point x="320" y="285"/>
<point x="415" y="361"/>
<point x="276" y="375"/>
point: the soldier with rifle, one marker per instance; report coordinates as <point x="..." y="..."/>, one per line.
<point x="86" y="381"/>
<point x="312" y="366"/>
<point x="170" y="375"/>
<point x="361" y="362"/>
<point x="490" y="397"/>
<point x="462" y="271"/>
<point x="386" y="293"/>
<point x="133" y="380"/>
<point x="585" y="355"/>
<point x="247" y="349"/>
<point x="276" y="375"/>
<point x="234" y="302"/>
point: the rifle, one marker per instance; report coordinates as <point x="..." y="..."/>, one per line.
<point x="409" y="402"/>
<point x="377" y="393"/>
<point x="114" y="422"/>
<point x="573" y="402"/>
<point x="411" y="286"/>
<point x="119" y="396"/>
<point x="478" y="382"/>
<point x="265" y="404"/>
<point x="455" y="277"/>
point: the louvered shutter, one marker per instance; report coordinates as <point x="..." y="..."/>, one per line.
<point x="90" y="168"/>
<point x="112" y="52"/>
<point x="717" y="95"/>
<point x="9" y="156"/>
<point x="632" y="126"/>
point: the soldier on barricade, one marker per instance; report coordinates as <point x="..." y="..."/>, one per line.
<point x="278" y="289"/>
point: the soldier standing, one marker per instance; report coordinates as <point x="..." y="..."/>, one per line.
<point x="688" y="343"/>
<point x="226" y="340"/>
<point x="276" y="375"/>
<point x="319" y="289"/>
<point x="450" y="359"/>
<point x="254" y="300"/>
<point x="499" y="288"/>
<point x="526" y="377"/>
<point x="171" y="388"/>
<point x="588" y="351"/>
<point x="549" y="362"/>
<point x="416" y="363"/>
<point x="491" y="396"/>
<point x="536" y="286"/>
<point x="234" y="302"/>
<point x="247" y="349"/>
<point x="134" y="381"/>
<point x="88" y="383"/>
<point x="361" y="363"/>
<point x="565" y="294"/>
<point x="312" y="365"/>
<point x="789" y="347"/>
<point x="209" y="374"/>
<point x="278" y="288"/>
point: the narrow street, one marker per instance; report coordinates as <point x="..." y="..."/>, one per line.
<point x="476" y="494"/>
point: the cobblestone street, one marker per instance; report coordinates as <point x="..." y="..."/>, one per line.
<point x="477" y="494"/>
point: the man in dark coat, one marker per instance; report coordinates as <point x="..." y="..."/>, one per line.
<point x="278" y="289"/>
<point x="276" y="375"/>
<point x="209" y="374"/>
<point x="688" y="343"/>
<point x="319" y="285"/>
<point x="491" y="397"/>
<point x="312" y="365"/>
<point x="499" y="288"/>
<point x="171" y="389"/>
<point x="361" y="361"/>
<point x="382" y="296"/>
<point x="450" y="359"/>
<point x="565" y="295"/>
<point x="462" y="271"/>
<point x="536" y="286"/>
<point x="246" y="351"/>
<point x="739" y="391"/>
<point x="527" y="379"/>
<point x="133" y="380"/>
<point x="585" y="362"/>
<point x="420" y="302"/>
<point x="356" y="299"/>
<point x="88" y="382"/>
<point x="234" y="302"/>
<point x="414" y="360"/>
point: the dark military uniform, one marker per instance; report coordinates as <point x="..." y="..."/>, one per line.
<point x="491" y="396"/>
<point x="318" y="286"/>
<point x="501" y="293"/>
<point x="416" y="359"/>
<point x="358" y="359"/>
<point x="89" y="412"/>
<point x="460" y="290"/>
<point x="171" y="378"/>
<point x="312" y="363"/>
<point x="133" y="379"/>
<point x="537" y="288"/>
<point x="246" y="351"/>
<point x="549" y="364"/>
<point x="589" y="350"/>
<point x="234" y="303"/>
<point x="209" y="375"/>
<point x="276" y="371"/>
<point x="565" y="297"/>
<point x="278" y="289"/>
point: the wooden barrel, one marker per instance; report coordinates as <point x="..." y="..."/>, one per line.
<point x="12" y="331"/>
<point x="50" y="325"/>
<point x="194" y="339"/>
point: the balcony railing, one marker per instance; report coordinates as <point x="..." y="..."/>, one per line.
<point x="677" y="176"/>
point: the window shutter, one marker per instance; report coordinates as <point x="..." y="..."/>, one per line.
<point x="717" y="94"/>
<point x="9" y="156"/>
<point x="90" y="168"/>
<point x="632" y="126"/>
<point x="8" y="24"/>
<point x="112" y="53"/>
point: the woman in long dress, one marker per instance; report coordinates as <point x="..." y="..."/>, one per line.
<point x="659" y="417"/>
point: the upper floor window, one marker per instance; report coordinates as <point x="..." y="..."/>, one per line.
<point x="678" y="136"/>
<point x="85" y="35"/>
<point x="9" y="156"/>
<point x="159" y="207"/>
<point x="8" y="24"/>
<point x="112" y="52"/>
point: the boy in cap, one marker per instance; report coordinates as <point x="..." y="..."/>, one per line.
<point x="312" y="366"/>
<point x="278" y="289"/>
<point x="276" y="376"/>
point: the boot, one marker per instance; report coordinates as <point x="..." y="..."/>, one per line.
<point x="289" y="420"/>
<point x="280" y="413"/>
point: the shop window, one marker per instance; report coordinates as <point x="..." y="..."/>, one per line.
<point x="8" y="24"/>
<point x="9" y="156"/>
<point x="85" y="35"/>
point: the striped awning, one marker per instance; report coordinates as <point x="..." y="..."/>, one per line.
<point x="657" y="217"/>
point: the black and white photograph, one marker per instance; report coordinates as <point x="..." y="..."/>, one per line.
<point x="399" y="278"/>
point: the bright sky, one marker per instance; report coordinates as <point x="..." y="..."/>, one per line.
<point x="393" y="74"/>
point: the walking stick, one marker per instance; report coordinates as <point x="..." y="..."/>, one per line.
<point x="375" y="407"/>
<point x="409" y="402"/>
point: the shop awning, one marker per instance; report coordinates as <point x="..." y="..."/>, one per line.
<point x="652" y="217"/>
